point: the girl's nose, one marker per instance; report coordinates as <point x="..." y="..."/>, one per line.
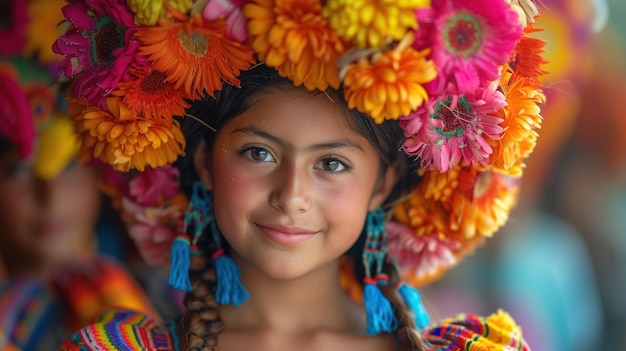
<point x="292" y="189"/>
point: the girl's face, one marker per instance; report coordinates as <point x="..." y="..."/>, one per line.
<point x="45" y="221"/>
<point x="292" y="183"/>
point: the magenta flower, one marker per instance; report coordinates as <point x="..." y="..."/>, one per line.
<point x="470" y="39"/>
<point x="152" y="186"/>
<point x="98" y="46"/>
<point x="451" y="129"/>
<point x="420" y="256"/>
<point x="13" y="29"/>
<point x="16" y="122"/>
<point x="232" y="11"/>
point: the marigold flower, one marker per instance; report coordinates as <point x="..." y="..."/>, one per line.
<point x="148" y="12"/>
<point x="372" y="23"/>
<point x="521" y="118"/>
<point x="194" y="54"/>
<point x="294" y="37"/>
<point x="391" y="85"/>
<point x="124" y="140"/>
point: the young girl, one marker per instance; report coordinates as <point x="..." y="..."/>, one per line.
<point x="307" y="214"/>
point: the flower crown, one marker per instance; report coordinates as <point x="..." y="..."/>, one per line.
<point x="461" y="76"/>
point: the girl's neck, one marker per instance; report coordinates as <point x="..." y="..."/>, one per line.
<point x="308" y="303"/>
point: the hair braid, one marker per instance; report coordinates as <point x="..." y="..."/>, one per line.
<point x="200" y="324"/>
<point x="408" y="336"/>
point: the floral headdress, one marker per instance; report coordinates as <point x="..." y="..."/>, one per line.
<point x="462" y="76"/>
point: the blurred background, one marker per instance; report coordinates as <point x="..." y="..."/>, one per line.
<point x="559" y="265"/>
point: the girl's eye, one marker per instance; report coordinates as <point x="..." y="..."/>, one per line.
<point x="258" y="154"/>
<point x="332" y="165"/>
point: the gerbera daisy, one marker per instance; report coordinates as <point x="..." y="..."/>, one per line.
<point x="372" y="23"/>
<point x="389" y="86"/>
<point x="194" y="54"/>
<point x="150" y="95"/>
<point x="98" y="45"/>
<point x="458" y="129"/>
<point x="470" y="39"/>
<point x="40" y="33"/>
<point x="148" y="12"/>
<point x="527" y="57"/>
<point x="123" y="140"/>
<point x="521" y="118"/>
<point x="294" y="37"/>
<point x="13" y="31"/>
<point x="232" y="11"/>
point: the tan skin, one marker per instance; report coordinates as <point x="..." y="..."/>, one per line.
<point x="322" y="182"/>
<point x="46" y="222"/>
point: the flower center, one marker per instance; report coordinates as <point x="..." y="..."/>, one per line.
<point x="454" y="119"/>
<point x="462" y="35"/>
<point x="107" y="38"/>
<point x="154" y="82"/>
<point x="195" y="44"/>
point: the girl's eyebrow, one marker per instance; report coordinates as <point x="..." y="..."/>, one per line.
<point x="331" y="144"/>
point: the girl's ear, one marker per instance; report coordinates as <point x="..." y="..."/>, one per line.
<point x="385" y="185"/>
<point x="202" y="164"/>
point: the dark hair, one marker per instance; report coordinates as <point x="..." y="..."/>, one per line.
<point x="201" y="323"/>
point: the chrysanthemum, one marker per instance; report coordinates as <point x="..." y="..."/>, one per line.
<point x="148" y="12"/>
<point x="372" y="23"/>
<point x="40" y="33"/>
<point x="457" y="129"/>
<point x="149" y="94"/>
<point x="470" y="39"/>
<point x="521" y="118"/>
<point x="194" y="55"/>
<point x="527" y="57"/>
<point x="99" y="45"/>
<point x="391" y="85"/>
<point x="232" y="11"/>
<point x="294" y="37"/>
<point x="123" y="140"/>
<point x="13" y="33"/>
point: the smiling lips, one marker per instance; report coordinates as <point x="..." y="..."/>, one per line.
<point x="286" y="235"/>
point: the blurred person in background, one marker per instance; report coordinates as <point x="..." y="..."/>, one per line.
<point x="52" y="277"/>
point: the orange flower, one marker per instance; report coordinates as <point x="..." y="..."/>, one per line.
<point x="294" y="37"/>
<point x="194" y="54"/>
<point x="391" y="85"/>
<point x="521" y="117"/>
<point x="150" y="95"/>
<point x="123" y="140"/>
<point x="527" y="57"/>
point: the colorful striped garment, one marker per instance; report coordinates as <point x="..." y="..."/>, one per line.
<point x="127" y="330"/>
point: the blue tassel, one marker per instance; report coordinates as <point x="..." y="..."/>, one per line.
<point x="229" y="287"/>
<point x="179" y="266"/>
<point x="413" y="300"/>
<point x="380" y="317"/>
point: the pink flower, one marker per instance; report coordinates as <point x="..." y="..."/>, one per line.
<point x="13" y="31"/>
<point x="97" y="46"/>
<point x="452" y="129"/>
<point x="153" y="229"/>
<point x="470" y="39"/>
<point x="152" y="186"/>
<point x="16" y="123"/>
<point x="231" y="10"/>
<point x="420" y="257"/>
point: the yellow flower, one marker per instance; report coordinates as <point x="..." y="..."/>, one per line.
<point x="148" y="12"/>
<point x="194" y="55"/>
<point x="391" y="85"/>
<point x="42" y="30"/>
<point x="372" y="23"/>
<point x="293" y="37"/>
<point x="521" y="118"/>
<point x="502" y="328"/>
<point x="123" y="140"/>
